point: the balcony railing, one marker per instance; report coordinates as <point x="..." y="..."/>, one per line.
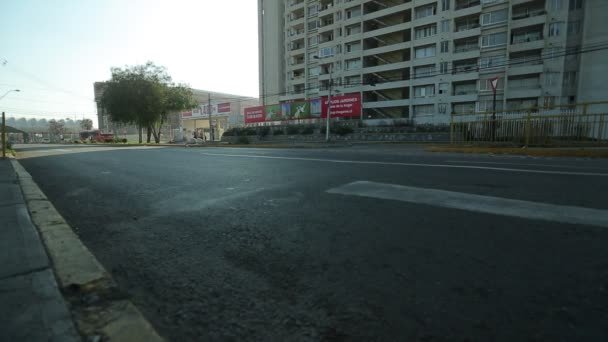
<point x="528" y="14"/>
<point x="466" y="27"/>
<point x="527" y="37"/>
<point x="466" y="4"/>
<point x="526" y="60"/>
<point x="465" y="48"/>
<point x="464" y="68"/>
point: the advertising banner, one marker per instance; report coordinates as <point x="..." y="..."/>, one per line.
<point x="255" y="114"/>
<point x="343" y="106"/>
<point x="223" y="107"/>
<point x="273" y="113"/>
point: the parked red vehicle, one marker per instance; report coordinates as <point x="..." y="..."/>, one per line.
<point x="96" y="135"/>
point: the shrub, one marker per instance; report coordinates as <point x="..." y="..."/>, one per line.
<point x="249" y="131"/>
<point x="263" y="131"/>
<point x="77" y="141"/>
<point x="342" y="130"/>
<point x="124" y="140"/>
<point x="308" y="130"/>
<point x="93" y="141"/>
<point x="278" y="132"/>
<point x="243" y="140"/>
<point x="293" y="129"/>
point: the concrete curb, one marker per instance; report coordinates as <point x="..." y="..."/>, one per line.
<point x="548" y="152"/>
<point x="100" y="310"/>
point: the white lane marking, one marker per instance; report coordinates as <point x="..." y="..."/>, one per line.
<point x="567" y="173"/>
<point x="63" y="150"/>
<point x="476" y="203"/>
<point x="522" y="164"/>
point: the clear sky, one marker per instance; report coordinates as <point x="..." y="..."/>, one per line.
<point x="55" y="49"/>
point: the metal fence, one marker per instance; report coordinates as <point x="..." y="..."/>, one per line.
<point x="573" y="124"/>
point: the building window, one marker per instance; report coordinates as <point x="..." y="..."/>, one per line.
<point x="486" y="104"/>
<point x="484" y="84"/>
<point x="554" y="29"/>
<point x="424" y="110"/>
<point x="351" y="47"/>
<point x="551" y="78"/>
<point x="445" y="5"/>
<point x="494" y="17"/>
<point x="569" y="79"/>
<point x="465" y="107"/>
<point x="492" y="62"/>
<point x="445" y="47"/>
<point x="576" y="4"/>
<point x="424" y="71"/>
<point x="312" y="10"/>
<point x="494" y="39"/>
<point x="350" y="30"/>
<point x="574" y="27"/>
<point x="443" y="68"/>
<point x="352" y="81"/>
<point x="424" y="91"/>
<point x="353" y="12"/>
<point x="553" y="53"/>
<point x="314" y="71"/>
<point x="443" y="88"/>
<point x="445" y="26"/>
<point x="313" y="25"/>
<point x="324" y="52"/>
<point x="313" y="41"/>
<point x="425" y="11"/>
<point x="353" y="63"/>
<point x="555" y="5"/>
<point x="425" y="31"/>
<point x="426" y="51"/>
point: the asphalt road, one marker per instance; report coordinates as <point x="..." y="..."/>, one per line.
<point x="381" y="243"/>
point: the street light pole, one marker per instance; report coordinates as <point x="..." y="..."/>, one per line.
<point x="4" y="124"/>
<point x="331" y="81"/>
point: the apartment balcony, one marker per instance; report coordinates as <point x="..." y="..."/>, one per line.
<point x="472" y="30"/>
<point x="382" y="9"/>
<point x="296" y="21"/>
<point x="467" y="7"/>
<point x="432" y="99"/>
<point x="387" y="67"/>
<point x="519" y="2"/>
<point x="524" y="92"/>
<point x="382" y="85"/>
<point x="386" y="104"/>
<point x="388" y="48"/>
<point x="523" y="66"/>
<point x="466" y="97"/>
<point x="325" y="7"/>
<point x="295" y="4"/>
<point x="387" y="30"/>
<point x="488" y="3"/>
<point x="533" y="18"/>
<point x="466" y="51"/>
<point x="465" y="76"/>
<point x="533" y="42"/>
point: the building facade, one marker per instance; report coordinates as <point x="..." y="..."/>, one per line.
<point x="425" y="59"/>
<point x="227" y="110"/>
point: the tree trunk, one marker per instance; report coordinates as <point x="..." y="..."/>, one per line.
<point x="139" y="129"/>
<point x="149" y="134"/>
<point x="156" y="134"/>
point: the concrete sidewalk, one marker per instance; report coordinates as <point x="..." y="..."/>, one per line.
<point x="32" y="307"/>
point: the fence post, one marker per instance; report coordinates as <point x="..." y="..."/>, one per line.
<point x="451" y="129"/>
<point x="600" y="130"/>
<point x="528" y="128"/>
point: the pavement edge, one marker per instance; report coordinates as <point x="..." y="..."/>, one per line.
<point x="100" y="310"/>
<point x="546" y="152"/>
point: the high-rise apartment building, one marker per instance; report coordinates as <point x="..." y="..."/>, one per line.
<point x="425" y="59"/>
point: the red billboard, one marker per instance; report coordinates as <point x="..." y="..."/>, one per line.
<point x="186" y="114"/>
<point x="255" y="114"/>
<point x="343" y="106"/>
<point x="223" y="107"/>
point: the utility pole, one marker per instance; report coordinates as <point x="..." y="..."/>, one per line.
<point x="331" y="81"/>
<point x="209" y="110"/>
<point x="3" y="137"/>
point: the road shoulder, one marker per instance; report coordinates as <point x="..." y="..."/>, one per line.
<point x="98" y="307"/>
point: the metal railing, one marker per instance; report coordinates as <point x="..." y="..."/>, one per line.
<point x="561" y="125"/>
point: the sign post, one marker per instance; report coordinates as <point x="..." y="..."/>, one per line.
<point x="494" y="85"/>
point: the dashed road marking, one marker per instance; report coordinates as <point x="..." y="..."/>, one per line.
<point x="476" y="203"/>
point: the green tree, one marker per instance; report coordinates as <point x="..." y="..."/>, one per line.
<point x="86" y="124"/>
<point x="144" y="95"/>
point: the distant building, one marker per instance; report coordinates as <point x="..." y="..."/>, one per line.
<point x="227" y="111"/>
<point x="423" y="59"/>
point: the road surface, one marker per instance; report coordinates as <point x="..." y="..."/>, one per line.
<point x="380" y="243"/>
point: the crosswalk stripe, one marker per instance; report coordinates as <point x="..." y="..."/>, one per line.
<point x="476" y="203"/>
